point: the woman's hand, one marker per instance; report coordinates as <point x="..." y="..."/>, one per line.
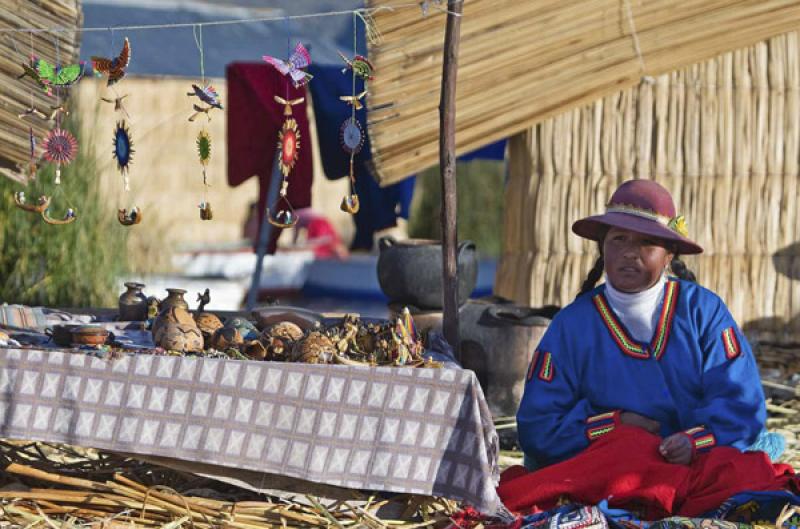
<point x="677" y="449"/>
<point x="634" y="419"/>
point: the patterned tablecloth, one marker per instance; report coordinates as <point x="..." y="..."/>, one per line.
<point x="423" y="431"/>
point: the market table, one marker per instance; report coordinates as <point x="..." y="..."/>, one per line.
<point x="406" y="430"/>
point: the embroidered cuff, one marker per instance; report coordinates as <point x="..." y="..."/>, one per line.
<point x="599" y="425"/>
<point x="702" y="440"/>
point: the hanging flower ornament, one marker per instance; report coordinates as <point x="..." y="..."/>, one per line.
<point x="60" y="147"/>
<point x="123" y="147"/>
<point x="289" y="145"/>
<point x="204" y="147"/>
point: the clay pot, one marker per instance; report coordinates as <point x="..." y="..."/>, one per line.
<point x="174" y="299"/>
<point x="410" y="271"/>
<point x="172" y="315"/>
<point x="133" y="303"/>
<point x="182" y="337"/>
<point x="89" y="335"/>
<point x="316" y="348"/>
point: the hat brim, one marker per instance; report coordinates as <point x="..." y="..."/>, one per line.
<point x="595" y="227"/>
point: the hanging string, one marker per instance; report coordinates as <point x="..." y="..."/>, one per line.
<point x="353" y="92"/>
<point x="635" y="37"/>
<point x="30" y="60"/>
<point x="288" y="55"/>
<point x="367" y="12"/>
<point x="197" y="32"/>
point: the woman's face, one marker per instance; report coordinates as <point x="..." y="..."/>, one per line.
<point x="633" y="261"/>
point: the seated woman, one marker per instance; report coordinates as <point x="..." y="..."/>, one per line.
<point x="644" y="349"/>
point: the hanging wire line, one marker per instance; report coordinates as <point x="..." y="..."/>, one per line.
<point x="197" y="32"/>
<point x="288" y="54"/>
<point x="366" y="11"/>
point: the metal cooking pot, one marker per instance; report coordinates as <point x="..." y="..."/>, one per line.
<point x="410" y="271"/>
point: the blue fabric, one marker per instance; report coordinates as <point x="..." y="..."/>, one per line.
<point x="379" y="207"/>
<point x="757" y="507"/>
<point x="772" y="443"/>
<point x="693" y="383"/>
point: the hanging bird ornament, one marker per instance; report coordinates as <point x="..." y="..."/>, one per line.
<point x="55" y="75"/>
<point x="293" y="67"/>
<point x="207" y="95"/>
<point x="114" y="68"/>
<point x="288" y="104"/>
<point x="118" y="106"/>
<point x="29" y="70"/>
<point x="360" y="66"/>
<point x="355" y="100"/>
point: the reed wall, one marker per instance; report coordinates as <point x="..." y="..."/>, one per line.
<point x="722" y="135"/>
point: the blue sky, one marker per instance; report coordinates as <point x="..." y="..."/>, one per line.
<point x="173" y="51"/>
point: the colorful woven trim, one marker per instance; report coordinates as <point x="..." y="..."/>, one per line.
<point x="732" y="347"/>
<point x="532" y="366"/>
<point x="547" y="370"/>
<point x="628" y="345"/>
<point x="601" y="424"/>
<point x="702" y="439"/>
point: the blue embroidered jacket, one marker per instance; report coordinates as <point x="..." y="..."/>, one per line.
<point x="697" y="375"/>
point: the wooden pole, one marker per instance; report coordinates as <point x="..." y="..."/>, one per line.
<point x="447" y="166"/>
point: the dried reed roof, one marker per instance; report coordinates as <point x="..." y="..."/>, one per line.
<point x="16" y="95"/>
<point x="521" y="62"/>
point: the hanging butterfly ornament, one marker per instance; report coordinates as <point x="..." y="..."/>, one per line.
<point x="283" y="216"/>
<point x="293" y="66"/>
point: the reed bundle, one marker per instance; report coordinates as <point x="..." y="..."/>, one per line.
<point x="18" y="95"/>
<point x="78" y="491"/>
<point x="522" y="62"/>
<point x="722" y="135"/>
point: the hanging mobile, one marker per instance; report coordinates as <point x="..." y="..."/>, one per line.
<point x="209" y="96"/>
<point x="351" y="134"/>
<point x="282" y="214"/>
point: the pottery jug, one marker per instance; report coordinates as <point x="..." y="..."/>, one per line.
<point x="133" y="303"/>
<point x="174" y="299"/>
<point x="410" y="271"/>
